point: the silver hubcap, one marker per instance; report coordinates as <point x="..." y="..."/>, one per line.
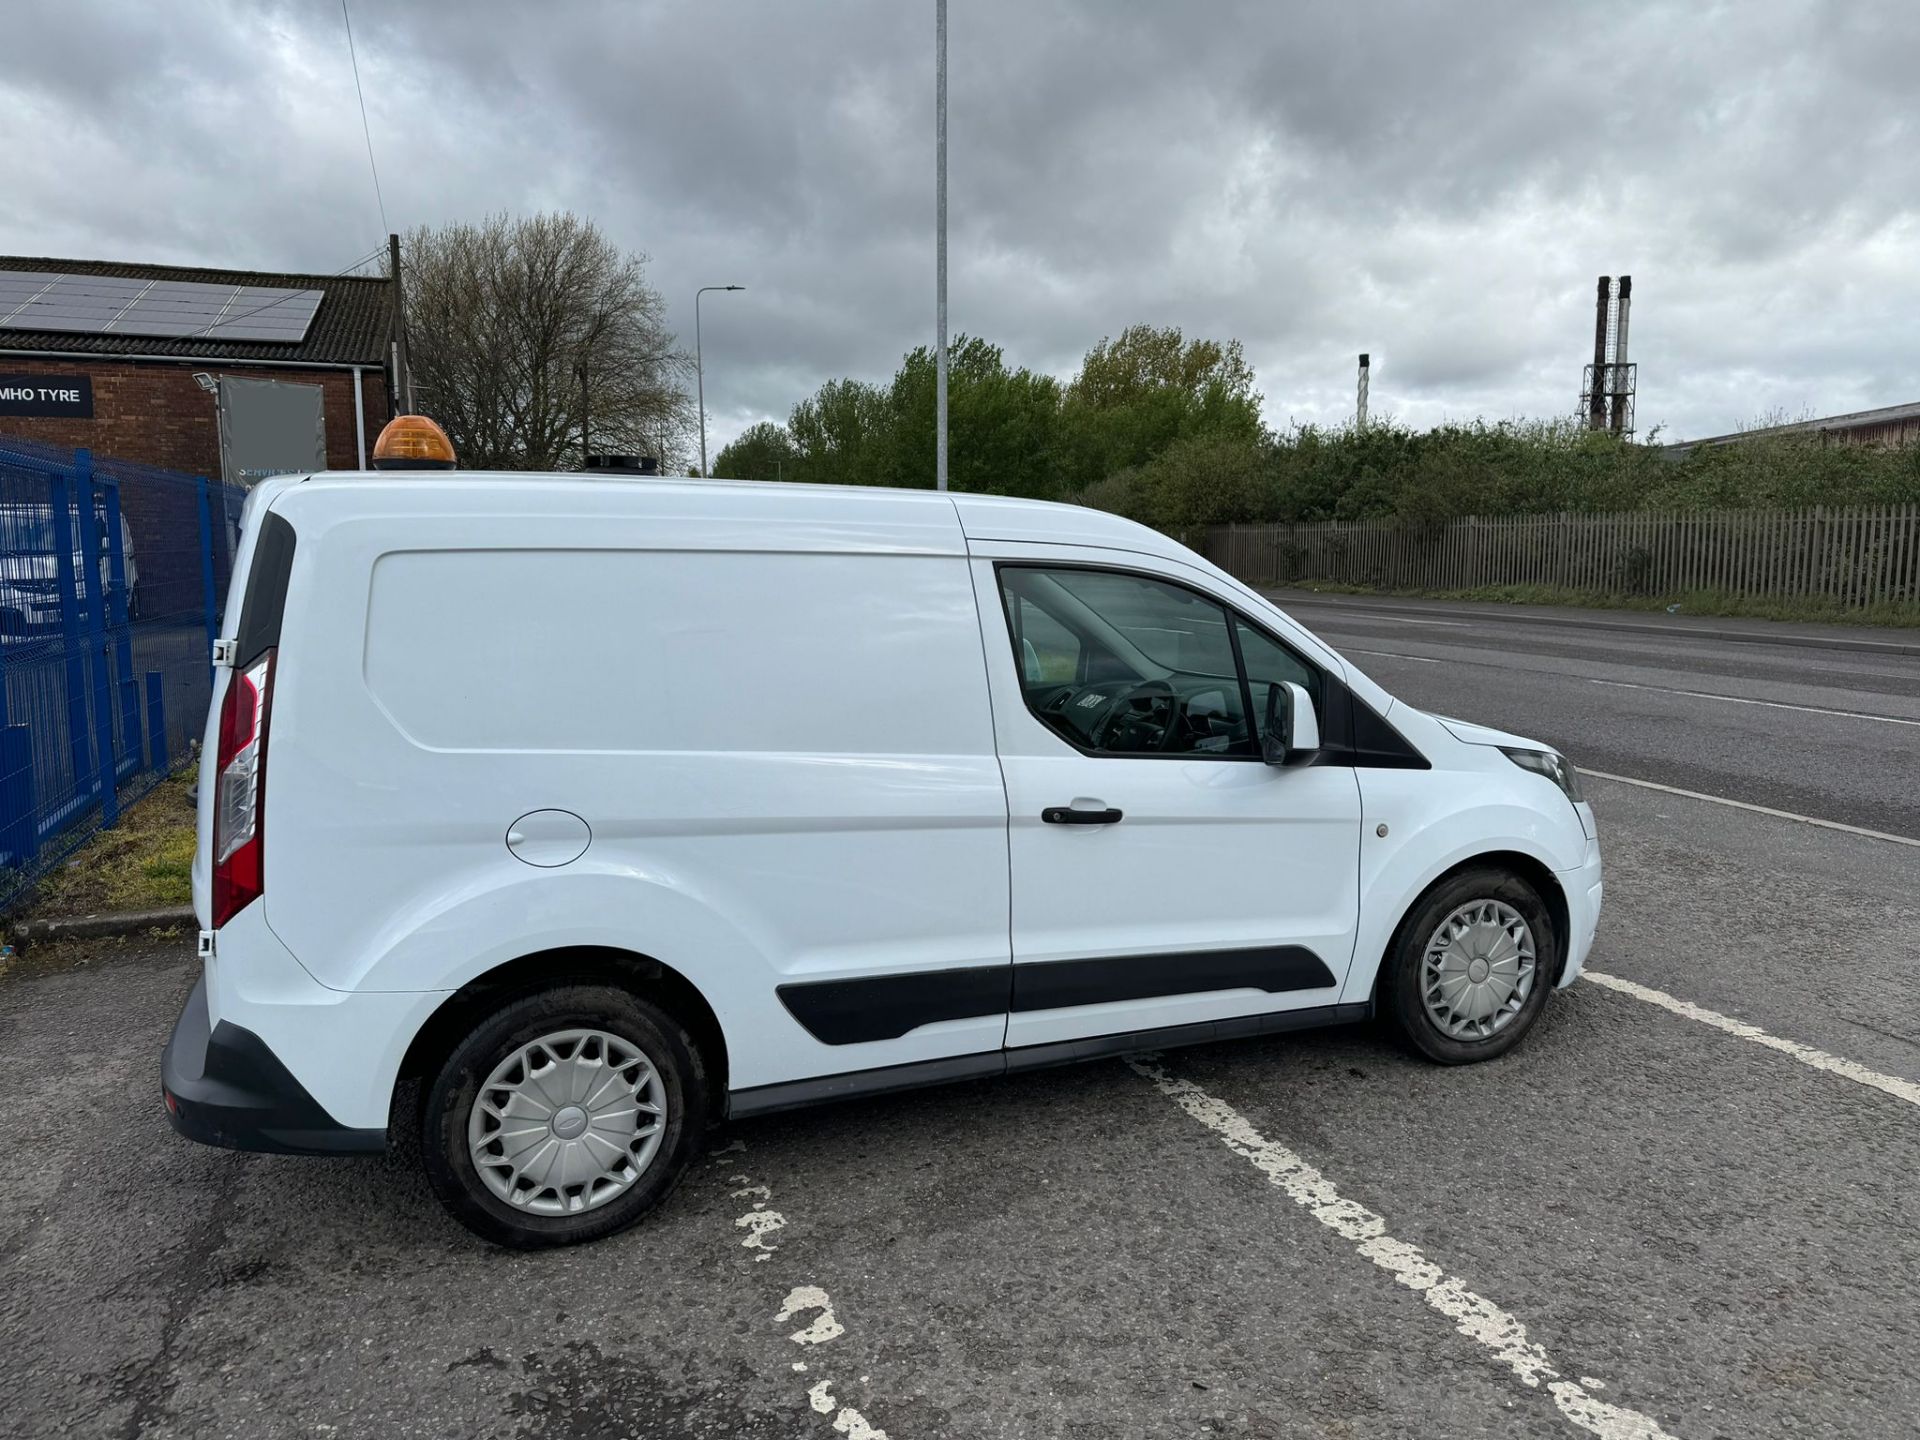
<point x="567" y="1122"/>
<point x="1478" y="970"/>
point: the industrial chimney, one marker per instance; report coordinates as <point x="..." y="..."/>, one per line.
<point x="1606" y="397"/>
<point x="1597" y="377"/>
<point x="1620" y="382"/>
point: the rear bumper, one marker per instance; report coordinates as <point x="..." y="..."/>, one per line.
<point x="224" y="1086"/>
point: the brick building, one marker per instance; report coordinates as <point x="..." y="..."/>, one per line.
<point x="145" y="403"/>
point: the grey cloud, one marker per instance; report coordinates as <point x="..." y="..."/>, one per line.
<point x="1435" y="184"/>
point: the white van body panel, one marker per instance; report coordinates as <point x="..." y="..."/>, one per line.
<point x="720" y="695"/>
<point x="789" y="720"/>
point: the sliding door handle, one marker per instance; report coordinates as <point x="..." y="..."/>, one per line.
<point x="1067" y="815"/>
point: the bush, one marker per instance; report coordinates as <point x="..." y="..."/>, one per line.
<point x="1509" y="468"/>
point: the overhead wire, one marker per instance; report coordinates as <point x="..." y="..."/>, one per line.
<point x="365" y="129"/>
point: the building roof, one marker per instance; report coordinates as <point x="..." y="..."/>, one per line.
<point x="1855" y="420"/>
<point x="351" y="326"/>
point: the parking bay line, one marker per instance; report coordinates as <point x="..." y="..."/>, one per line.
<point x="1501" y="1334"/>
<point x="1806" y="1054"/>
<point x="1892" y="1085"/>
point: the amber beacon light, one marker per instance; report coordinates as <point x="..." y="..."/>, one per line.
<point x="412" y="442"/>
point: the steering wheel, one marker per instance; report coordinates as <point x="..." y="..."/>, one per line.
<point x="1158" y="695"/>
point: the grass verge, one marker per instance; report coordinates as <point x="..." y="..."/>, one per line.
<point x="144" y="863"/>
<point x="1694" y="602"/>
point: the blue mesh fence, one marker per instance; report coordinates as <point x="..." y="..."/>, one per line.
<point x="112" y="578"/>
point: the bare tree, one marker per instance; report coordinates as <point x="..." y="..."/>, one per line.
<point x="531" y="337"/>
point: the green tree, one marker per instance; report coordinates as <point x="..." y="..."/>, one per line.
<point x="760" y="452"/>
<point x="1197" y="481"/>
<point x="843" y="434"/>
<point x="1001" y="424"/>
<point x="1136" y="395"/>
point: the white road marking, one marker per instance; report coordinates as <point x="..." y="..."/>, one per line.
<point x="1756" y="809"/>
<point x="1744" y="700"/>
<point x="1480" y="1320"/>
<point x="803" y="1298"/>
<point x="1892" y="1085"/>
<point x="848" y="1421"/>
<point x="1391" y="655"/>
<point x="1663" y="629"/>
<point x="759" y="1222"/>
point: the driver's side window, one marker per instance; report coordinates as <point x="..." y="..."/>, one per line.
<point x="1121" y="664"/>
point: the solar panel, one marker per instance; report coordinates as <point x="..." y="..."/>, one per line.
<point x="173" y="309"/>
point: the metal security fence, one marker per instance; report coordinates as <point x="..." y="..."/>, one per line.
<point x="1854" y="559"/>
<point x="112" y="576"/>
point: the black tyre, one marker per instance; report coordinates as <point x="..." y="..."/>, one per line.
<point x="1471" y="966"/>
<point x="563" y="1117"/>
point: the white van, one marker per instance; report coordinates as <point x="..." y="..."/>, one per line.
<point x="608" y="808"/>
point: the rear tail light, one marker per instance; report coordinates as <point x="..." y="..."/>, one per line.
<point x="239" y="790"/>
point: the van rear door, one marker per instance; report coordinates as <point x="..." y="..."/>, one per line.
<point x="266" y="593"/>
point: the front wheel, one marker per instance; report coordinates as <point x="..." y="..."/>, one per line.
<point x="1470" y="967"/>
<point x="565" y="1116"/>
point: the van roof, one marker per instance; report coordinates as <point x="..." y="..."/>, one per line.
<point x="981" y="517"/>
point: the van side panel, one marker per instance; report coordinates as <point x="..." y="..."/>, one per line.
<point x="778" y="739"/>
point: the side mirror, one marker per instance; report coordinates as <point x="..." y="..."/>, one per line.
<point x="1292" y="732"/>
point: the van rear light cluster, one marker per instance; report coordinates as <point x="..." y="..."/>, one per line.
<point x="239" y="792"/>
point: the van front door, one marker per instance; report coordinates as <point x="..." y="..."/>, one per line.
<point x="1162" y="873"/>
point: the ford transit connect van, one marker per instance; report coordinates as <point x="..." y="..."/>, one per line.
<point x="604" y="809"/>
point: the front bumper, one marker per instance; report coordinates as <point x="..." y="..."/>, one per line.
<point x="224" y="1086"/>
<point x="1583" y="890"/>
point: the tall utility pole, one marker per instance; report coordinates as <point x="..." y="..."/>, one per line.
<point x="402" y="397"/>
<point x="940" y="303"/>
<point x="700" y="369"/>
<point x="1360" y="402"/>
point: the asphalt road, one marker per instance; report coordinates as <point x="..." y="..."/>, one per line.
<point x="1702" y="1234"/>
<point x="1826" y="725"/>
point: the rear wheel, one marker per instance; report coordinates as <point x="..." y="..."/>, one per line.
<point x="1471" y="966"/>
<point x="563" y="1117"/>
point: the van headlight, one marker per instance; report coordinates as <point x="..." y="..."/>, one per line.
<point x="1550" y="763"/>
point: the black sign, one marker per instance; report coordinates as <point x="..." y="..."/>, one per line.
<point x="63" y="397"/>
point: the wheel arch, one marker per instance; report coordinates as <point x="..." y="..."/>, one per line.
<point x="575" y="964"/>
<point x="1526" y="867"/>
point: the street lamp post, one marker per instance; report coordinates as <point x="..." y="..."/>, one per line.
<point x="940" y="304"/>
<point x="699" y="369"/>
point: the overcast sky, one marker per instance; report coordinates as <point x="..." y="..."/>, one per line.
<point x="1436" y="184"/>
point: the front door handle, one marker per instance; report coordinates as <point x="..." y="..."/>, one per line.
<point x="1067" y="815"/>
